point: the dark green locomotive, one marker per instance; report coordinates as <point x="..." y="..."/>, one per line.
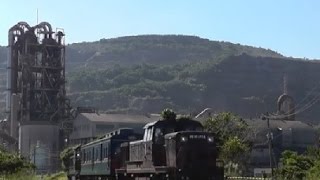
<point x="174" y="150"/>
<point x="169" y="149"/>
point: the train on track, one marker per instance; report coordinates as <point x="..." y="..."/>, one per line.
<point x="168" y="150"/>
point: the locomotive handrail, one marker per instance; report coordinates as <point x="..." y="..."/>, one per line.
<point x="136" y="142"/>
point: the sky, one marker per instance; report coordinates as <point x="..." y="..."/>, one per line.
<point x="290" y="27"/>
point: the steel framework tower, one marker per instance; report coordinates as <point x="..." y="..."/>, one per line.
<point x="36" y="71"/>
<point x="36" y="96"/>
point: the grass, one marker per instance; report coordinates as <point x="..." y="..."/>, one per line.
<point x="28" y="176"/>
<point x="56" y="176"/>
<point x="19" y="176"/>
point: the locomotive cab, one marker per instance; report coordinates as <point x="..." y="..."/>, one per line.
<point x="161" y="129"/>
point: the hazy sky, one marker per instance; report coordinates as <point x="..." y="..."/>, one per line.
<point x="290" y="27"/>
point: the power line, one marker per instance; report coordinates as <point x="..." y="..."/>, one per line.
<point x="309" y="94"/>
<point x="297" y="110"/>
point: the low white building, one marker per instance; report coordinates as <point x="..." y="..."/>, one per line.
<point x="87" y="126"/>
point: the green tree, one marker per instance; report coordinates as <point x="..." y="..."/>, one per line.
<point x="65" y="157"/>
<point x="168" y="114"/>
<point x="12" y="163"/>
<point x="313" y="153"/>
<point x="232" y="138"/>
<point x="314" y="172"/>
<point x="226" y="125"/>
<point x="234" y="149"/>
<point x="294" y="166"/>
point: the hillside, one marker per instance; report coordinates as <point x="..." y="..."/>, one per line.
<point x="151" y="49"/>
<point x="243" y="84"/>
<point x="144" y="74"/>
<point x="154" y="49"/>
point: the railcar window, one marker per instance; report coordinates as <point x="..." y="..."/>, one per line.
<point x="145" y="134"/>
<point x="158" y="135"/>
<point x="149" y="133"/>
<point x="83" y="156"/>
<point x="117" y="151"/>
<point x="92" y="157"/>
<point x="97" y="154"/>
<point x="101" y="152"/>
<point x="86" y="156"/>
<point x="105" y="153"/>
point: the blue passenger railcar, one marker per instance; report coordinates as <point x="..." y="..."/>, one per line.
<point x="100" y="158"/>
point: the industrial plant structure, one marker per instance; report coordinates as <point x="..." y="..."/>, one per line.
<point x="37" y="106"/>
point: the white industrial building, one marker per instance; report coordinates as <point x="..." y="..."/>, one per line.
<point x="87" y="126"/>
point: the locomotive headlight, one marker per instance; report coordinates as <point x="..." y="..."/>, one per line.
<point x="184" y="139"/>
<point x="210" y="139"/>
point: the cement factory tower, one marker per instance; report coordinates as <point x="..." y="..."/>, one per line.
<point x="36" y="96"/>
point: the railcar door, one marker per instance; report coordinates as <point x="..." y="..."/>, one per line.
<point x="106" y="156"/>
<point x="148" y="147"/>
<point x="116" y="160"/>
<point x="92" y="158"/>
<point x="159" y="153"/>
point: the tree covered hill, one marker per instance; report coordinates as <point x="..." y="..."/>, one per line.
<point x="155" y="49"/>
<point x="145" y="74"/>
<point x="242" y="84"/>
<point x="151" y="49"/>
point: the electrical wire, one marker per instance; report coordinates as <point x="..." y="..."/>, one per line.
<point x="309" y="104"/>
<point x="304" y="99"/>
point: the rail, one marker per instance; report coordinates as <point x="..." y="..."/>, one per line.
<point x="247" y="178"/>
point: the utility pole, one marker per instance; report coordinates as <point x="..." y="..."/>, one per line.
<point x="34" y="155"/>
<point x="269" y="137"/>
<point x="270" y="145"/>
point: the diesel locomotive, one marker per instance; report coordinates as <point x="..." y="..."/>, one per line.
<point x="169" y="149"/>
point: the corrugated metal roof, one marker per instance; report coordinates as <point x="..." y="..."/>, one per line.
<point x="119" y="118"/>
<point x="258" y="123"/>
<point x="284" y="133"/>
